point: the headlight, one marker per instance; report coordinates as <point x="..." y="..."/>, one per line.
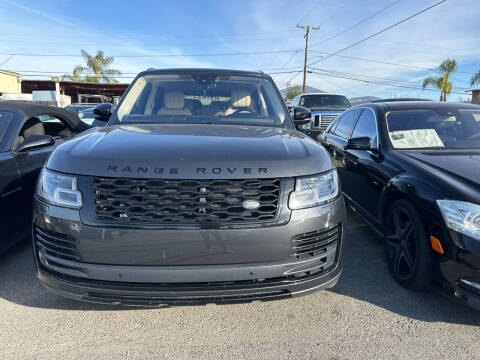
<point x="314" y="190"/>
<point x="59" y="189"/>
<point x="461" y="216"/>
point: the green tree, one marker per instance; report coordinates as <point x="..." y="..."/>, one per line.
<point x="97" y="69"/>
<point x="475" y="80"/>
<point x="443" y="82"/>
<point x="293" y="91"/>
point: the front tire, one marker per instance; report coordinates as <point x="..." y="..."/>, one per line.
<point x="407" y="248"/>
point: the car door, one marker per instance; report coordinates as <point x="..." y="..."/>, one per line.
<point x="363" y="167"/>
<point x="30" y="162"/>
<point x="335" y="141"/>
<point x="10" y="187"/>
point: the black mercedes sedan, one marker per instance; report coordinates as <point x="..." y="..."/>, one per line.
<point x="28" y="134"/>
<point x="411" y="170"/>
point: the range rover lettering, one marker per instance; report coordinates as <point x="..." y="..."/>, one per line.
<point x="198" y="190"/>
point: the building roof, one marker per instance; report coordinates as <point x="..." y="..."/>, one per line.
<point x="10" y="73"/>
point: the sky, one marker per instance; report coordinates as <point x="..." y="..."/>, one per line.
<point x="252" y="35"/>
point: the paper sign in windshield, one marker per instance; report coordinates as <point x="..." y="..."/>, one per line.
<point x="418" y="138"/>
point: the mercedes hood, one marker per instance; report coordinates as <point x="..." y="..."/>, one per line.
<point x="191" y="151"/>
<point x="461" y="164"/>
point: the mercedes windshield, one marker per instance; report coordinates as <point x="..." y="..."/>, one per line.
<point x="453" y="128"/>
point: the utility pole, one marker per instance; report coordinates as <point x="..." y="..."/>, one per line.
<point x="307" y="29"/>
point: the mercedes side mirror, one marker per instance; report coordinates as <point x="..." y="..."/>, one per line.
<point x="359" y="143"/>
<point x="35" y="142"/>
<point x="301" y="115"/>
<point x="103" y="111"/>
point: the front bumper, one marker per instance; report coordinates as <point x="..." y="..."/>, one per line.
<point x="119" y="272"/>
<point x="457" y="271"/>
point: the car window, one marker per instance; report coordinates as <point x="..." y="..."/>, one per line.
<point x="202" y="98"/>
<point x="366" y="126"/>
<point x="448" y="128"/>
<point x="319" y="101"/>
<point x="49" y="119"/>
<point x="331" y="128"/>
<point x="345" y="123"/>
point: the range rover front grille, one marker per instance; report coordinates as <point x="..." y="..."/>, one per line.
<point x="124" y="200"/>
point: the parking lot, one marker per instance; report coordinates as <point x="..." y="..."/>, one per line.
<point x="366" y="315"/>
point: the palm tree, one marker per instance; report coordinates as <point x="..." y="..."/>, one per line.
<point x="475" y="79"/>
<point x="442" y="82"/>
<point x="96" y="70"/>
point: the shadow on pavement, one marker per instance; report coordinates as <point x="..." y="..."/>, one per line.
<point x="18" y="284"/>
<point x="365" y="278"/>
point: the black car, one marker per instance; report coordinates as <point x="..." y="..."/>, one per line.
<point x="28" y="134"/>
<point x="412" y="171"/>
<point x="199" y="189"/>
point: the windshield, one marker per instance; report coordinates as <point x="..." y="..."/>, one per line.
<point x="448" y="129"/>
<point x="324" y="101"/>
<point x="203" y="98"/>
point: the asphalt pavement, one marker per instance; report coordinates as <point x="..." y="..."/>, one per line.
<point x="366" y="316"/>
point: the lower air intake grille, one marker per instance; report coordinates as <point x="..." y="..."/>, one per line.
<point x="58" y="245"/>
<point x="316" y="242"/>
<point x="124" y="200"/>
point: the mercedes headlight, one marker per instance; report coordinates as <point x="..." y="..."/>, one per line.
<point x="59" y="189"/>
<point x="314" y="190"/>
<point x="461" y="216"/>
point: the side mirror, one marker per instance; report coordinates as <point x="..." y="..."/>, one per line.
<point x="103" y="111"/>
<point x="359" y="143"/>
<point x="35" y="142"/>
<point x="301" y="115"/>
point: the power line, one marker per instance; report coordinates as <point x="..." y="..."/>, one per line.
<point x="379" y="82"/>
<point x="363" y="76"/>
<point x="381" y="31"/>
<point x="290" y="79"/>
<point x="309" y="11"/>
<point x="132" y="73"/>
<point x="149" y="36"/>
<point x="67" y="74"/>
<point x="371" y="77"/>
<point x="159" y="55"/>
<point x="356" y="24"/>
<point x="6" y="60"/>
<point x="332" y="15"/>
<point x="288" y="61"/>
<point x="413" y="67"/>
<point x="373" y="61"/>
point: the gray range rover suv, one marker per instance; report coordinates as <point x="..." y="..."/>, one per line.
<point x="198" y="190"/>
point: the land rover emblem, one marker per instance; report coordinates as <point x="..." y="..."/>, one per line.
<point x="251" y="204"/>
